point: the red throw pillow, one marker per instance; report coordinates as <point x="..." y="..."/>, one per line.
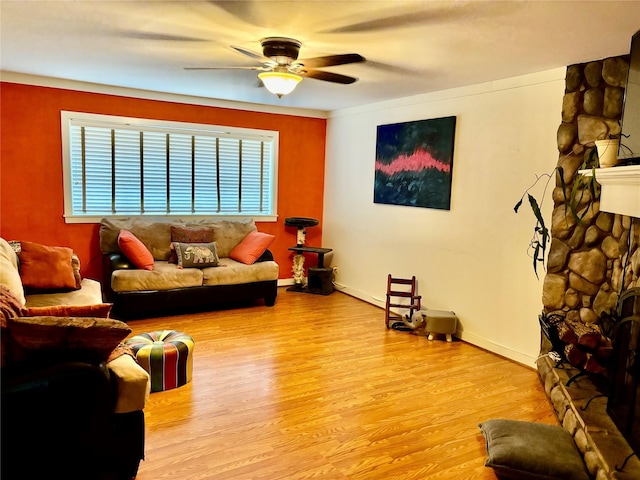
<point x="75" y="262"/>
<point x="46" y="267"/>
<point x="98" y="310"/>
<point x="251" y="247"/>
<point x="135" y="250"/>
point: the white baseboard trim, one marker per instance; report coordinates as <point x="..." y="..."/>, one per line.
<point x="501" y="350"/>
<point x="378" y="302"/>
<point x="285" y="282"/>
<point x="468" y="337"/>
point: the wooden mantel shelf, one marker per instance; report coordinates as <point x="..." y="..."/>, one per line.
<point x="620" y="189"/>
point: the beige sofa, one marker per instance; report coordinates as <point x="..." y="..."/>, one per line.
<point x="41" y="352"/>
<point x="131" y="380"/>
<point x="168" y="289"/>
<point x="90" y="292"/>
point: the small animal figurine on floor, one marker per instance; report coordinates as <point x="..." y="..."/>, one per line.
<point x="416" y="321"/>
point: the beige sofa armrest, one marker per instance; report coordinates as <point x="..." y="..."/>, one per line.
<point x="132" y="383"/>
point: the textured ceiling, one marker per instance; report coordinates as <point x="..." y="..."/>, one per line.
<point x="411" y="47"/>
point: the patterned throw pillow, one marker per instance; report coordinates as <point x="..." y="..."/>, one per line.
<point x="196" y="255"/>
<point x="188" y="235"/>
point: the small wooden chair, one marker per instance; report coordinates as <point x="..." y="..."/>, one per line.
<point x="407" y="290"/>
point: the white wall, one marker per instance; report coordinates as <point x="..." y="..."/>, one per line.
<point x="471" y="259"/>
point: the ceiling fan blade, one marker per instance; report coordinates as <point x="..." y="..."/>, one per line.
<point x="385" y="23"/>
<point x="438" y="13"/>
<point x="330" y="60"/>
<point x="252" y="54"/>
<point x="327" y="76"/>
<point x="158" y="36"/>
<point x="262" y="69"/>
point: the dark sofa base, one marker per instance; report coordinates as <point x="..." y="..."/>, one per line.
<point x="132" y="305"/>
<point x="58" y="422"/>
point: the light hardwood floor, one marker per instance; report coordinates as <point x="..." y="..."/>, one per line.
<point x="317" y="387"/>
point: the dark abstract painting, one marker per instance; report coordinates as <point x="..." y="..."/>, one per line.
<point x="414" y="163"/>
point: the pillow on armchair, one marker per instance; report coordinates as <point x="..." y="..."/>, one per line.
<point x="47" y="268"/>
<point x="67" y="337"/>
<point x="98" y="310"/>
<point x="75" y="261"/>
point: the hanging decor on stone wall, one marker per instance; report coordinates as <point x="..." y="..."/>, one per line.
<point x="414" y="163"/>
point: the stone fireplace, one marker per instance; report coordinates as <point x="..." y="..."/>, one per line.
<point x="590" y="263"/>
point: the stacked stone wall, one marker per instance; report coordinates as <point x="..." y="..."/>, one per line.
<point x="590" y="262"/>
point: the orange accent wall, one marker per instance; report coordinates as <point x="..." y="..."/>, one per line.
<point x="31" y="183"/>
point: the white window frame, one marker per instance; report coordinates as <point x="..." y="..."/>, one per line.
<point x="177" y="127"/>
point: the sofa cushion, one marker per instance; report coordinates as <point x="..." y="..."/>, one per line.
<point x="46" y="267"/>
<point x="196" y="255"/>
<point x="531" y="451"/>
<point x="99" y="310"/>
<point x="90" y="293"/>
<point x="135" y="250"/>
<point x="251" y="247"/>
<point x="231" y="272"/>
<point x="184" y="234"/>
<point x="228" y="233"/>
<point x="9" y="273"/>
<point x="164" y="276"/>
<point x="155" y="233"/>
<point x="152" y="231"/>
<point x="67" y="336"/>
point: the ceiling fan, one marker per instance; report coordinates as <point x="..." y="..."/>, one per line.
<point x="281" y="69"/>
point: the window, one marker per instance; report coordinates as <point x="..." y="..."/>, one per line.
<point x="130" y="166"/>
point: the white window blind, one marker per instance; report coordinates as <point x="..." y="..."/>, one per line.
<point x="125" y="166"/>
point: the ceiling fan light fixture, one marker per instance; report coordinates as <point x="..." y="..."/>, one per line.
<point x="279" y="83"/>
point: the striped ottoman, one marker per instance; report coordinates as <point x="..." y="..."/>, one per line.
<point x="167" y="355"/>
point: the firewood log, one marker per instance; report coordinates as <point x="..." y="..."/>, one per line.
<point x="605" y="348"/>
<point x="566" y="333"/>
<point x="589" y="335"/>
<point x="574" y="355"/>
<point x="592" y="365"/>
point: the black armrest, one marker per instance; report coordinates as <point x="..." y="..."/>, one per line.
<point x="118" y="261"/>
<point x="65" y="377"/>
<point x="55" y="418"/>
<point x="266" y="256"/>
